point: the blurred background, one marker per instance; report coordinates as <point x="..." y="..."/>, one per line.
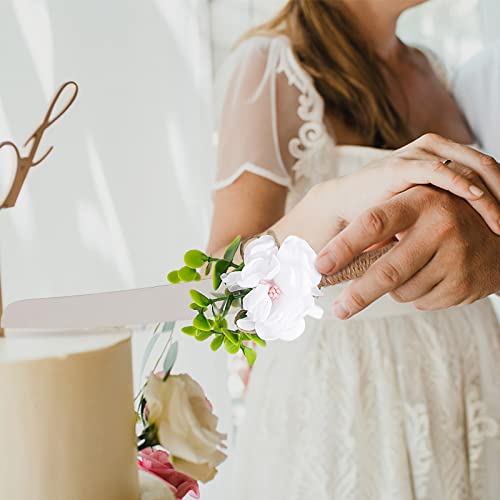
<point x="126" y="190"/>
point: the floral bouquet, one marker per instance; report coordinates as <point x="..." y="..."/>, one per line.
<point x="272" y="289"/>
<point x="264" y="297"/>
<point x="178" y="442"/>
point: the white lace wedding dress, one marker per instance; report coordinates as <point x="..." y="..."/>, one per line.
<point x="393" y="404"/>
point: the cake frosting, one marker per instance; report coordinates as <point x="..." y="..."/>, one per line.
<point x="67" y="422"/>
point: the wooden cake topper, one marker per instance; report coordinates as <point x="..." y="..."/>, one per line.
<point x="24" y="163"/>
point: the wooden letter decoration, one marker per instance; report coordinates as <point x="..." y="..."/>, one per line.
<point x="24" y="163"/>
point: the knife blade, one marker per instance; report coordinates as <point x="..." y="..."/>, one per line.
<point x="126" y="307"/>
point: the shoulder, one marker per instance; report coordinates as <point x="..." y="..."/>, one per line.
<point x="251" y="56"/>
<point x="261" y="44"/>
<point x="260" y="60"/>
<point x="257" y="49"/>
<point x="429" y="58"/>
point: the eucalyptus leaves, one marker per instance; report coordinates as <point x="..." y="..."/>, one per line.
<point x="216" y="327"/>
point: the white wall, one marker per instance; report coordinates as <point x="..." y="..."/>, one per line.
<point x="126" y="190"/>
<point x="231" y="18"/>
<point x="126" y="187"/>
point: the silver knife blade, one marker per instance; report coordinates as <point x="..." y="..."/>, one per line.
<point x="127" y="307"/>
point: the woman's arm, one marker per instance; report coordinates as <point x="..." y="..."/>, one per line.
<point x="258" y="120"/>
<point x="331" y="205"/>
<point x="249" y="206"/>
<point x="252" y="205"/>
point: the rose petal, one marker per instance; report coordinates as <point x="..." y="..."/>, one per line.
<point x="259" y="269"/>
<point x="246" y="324"/>
<point x="152" y="487"/>
<point x="185" y="423"/>
<point x="258" y="303"/>
<point x="231" y="280"/>
<point x="263" y="244"/>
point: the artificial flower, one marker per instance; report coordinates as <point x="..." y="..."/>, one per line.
<point x="158" y="463"/>
<point x="284" y="285"/>
<point x="261" y="263"/>
<point x="185" y="425"/>
<point x="153" y="488"/>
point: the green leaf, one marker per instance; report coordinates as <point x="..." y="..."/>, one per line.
<point x="195" y="259"/>
<point x="173" y="277"/>
<point x="199" y="298"/>
<point x="196" y="307"/>
<point x="201" y="323"/>
<point x="168" y="326"/>
<point x="148" y="351"/>
<point x="170" y="358"/>
<point x="255" y="338"/>
<point x="186" y="273"/>
<point x="250" y="354"/>
<point x="231" y="336"/>
<point x="201" y="336"/>
<point x="217" y="342"/>
<point x="227" y="307"/>
<point x="189" y="330"/>
<point x="221" y="266"/>
<point x="232" y="248"/>
<point x="208" y="268"/>
<point x="230" y="347"/>
<point x="197" y="277"/>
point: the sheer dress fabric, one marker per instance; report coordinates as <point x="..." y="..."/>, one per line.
<point x="393" y="404"/>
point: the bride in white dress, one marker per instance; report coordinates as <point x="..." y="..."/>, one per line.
<point x="394" y="403"/>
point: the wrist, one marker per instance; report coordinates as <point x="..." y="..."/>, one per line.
<point x="316" y="218"/>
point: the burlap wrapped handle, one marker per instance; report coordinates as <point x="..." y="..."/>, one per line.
<point x="356" y="268"/>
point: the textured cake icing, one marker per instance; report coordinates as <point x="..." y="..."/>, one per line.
<point x="67" y="420"/>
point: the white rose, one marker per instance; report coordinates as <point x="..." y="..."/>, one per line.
<point x="285" y="284"/>
<point x="153" y="488"/>
<point x="186" y="426"/>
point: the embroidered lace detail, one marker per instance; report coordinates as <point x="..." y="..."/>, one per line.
<point x="419" y="444"/>
<point x="480" y="427"/>
<point x="310" y="109"/>
<point x="313" y="147"/>
<point x="310" y="106"/>
<point x="383" y="409"/>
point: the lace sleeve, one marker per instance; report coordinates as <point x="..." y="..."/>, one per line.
<point x="259" y="115"/>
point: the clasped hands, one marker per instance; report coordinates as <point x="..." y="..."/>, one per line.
<point x="440" y="200"/>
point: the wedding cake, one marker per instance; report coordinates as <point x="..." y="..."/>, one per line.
<point x="67" y="421"/>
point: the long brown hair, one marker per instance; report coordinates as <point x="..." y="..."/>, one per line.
<point x="347" y="72"/>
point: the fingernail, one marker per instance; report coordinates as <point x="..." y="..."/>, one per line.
<point x="325" y="263"/>
<point x="340" y="310"/>
<point x="476" y="191"/>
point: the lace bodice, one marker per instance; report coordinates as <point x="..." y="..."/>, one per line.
<point x="273" y="103"/>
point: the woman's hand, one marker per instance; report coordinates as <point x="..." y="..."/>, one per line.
<point x="433" y="160"/>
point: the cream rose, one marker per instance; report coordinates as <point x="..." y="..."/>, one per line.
<point x="186" y="426"/>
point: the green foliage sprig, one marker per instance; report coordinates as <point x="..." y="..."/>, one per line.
<point x="220" y="305"/>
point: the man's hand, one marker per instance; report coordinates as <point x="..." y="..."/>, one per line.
<point x="446" y="254"/>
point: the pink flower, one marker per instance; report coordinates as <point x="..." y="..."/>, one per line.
<point x="158" y="463"/>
